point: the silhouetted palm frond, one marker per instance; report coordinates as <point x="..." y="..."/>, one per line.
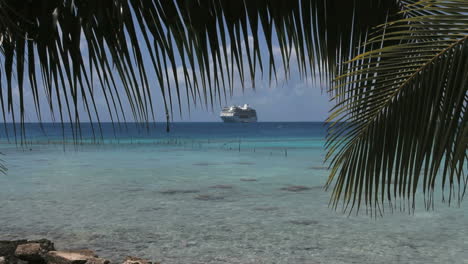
<point x="64" y="46"/>
<point x="401" y="123"/>
<point x="400" y="117"/>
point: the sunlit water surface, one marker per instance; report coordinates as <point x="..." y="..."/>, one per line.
<point x="208" y="193"/>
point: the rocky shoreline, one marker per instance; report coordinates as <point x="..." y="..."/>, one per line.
<point x="42" y="251"/>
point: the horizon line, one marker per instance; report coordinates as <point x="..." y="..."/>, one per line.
<point x="158" y="122"/>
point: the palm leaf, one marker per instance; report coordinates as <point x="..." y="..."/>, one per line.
<point x="81" y="50"/>
<point x="400" y="126"/>
<point x="401" y="104"/>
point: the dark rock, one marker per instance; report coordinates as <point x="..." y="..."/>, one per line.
<point x="20" y="251"/>
<point x="248" y="179"/>
<point x="15" y="260"/>
<point x="34" y="250"/>
<point x="175" y="191"/>
<point x="208" y="197"/>
<point x="30" y="252"/>
<point x="135" y="260"/>
<point x="45" y="244"/>
<point x="7" y="248"/>
<point x="70" y="256"/>
<point x="295" y="188"/>
<point x="222" y="186"/>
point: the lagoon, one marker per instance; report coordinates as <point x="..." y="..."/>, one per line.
<point x="207" y="193"/>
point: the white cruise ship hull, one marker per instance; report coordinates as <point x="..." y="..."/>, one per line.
<point x="236" y="119"/>
<point x="239" y="114"/>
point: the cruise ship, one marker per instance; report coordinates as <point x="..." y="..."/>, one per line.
<point x="239" y="114"/>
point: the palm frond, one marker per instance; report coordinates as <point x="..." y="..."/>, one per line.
<point x="69" y="52"/>
<point x="400" y="126"/>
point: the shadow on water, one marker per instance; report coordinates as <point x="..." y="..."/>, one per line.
<point x="248" y="179"/>
<point x="178" y="191"/>
<point x="244" y="163"/>
<point x="295" y="188"/>
<point x="317" y="168"/>
<point x="222" y="186"/>
<point x="205" y="164"/>
<point x="209" y="197"/>
<point x="300" y="188"/>
<point x="304" y="222"/>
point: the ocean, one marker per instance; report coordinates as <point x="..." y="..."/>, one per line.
<point x="205" y="193"/>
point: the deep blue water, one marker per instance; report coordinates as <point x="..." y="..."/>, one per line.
<point x="206" y="193"/>
<point x="155" y="131"/>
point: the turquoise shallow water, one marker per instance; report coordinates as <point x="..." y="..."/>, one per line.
<point x="188" y="197"/>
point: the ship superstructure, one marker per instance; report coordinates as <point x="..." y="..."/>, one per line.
<point x="239" y="114"/>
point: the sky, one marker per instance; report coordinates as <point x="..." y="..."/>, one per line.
<point x="286" y="99"/>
